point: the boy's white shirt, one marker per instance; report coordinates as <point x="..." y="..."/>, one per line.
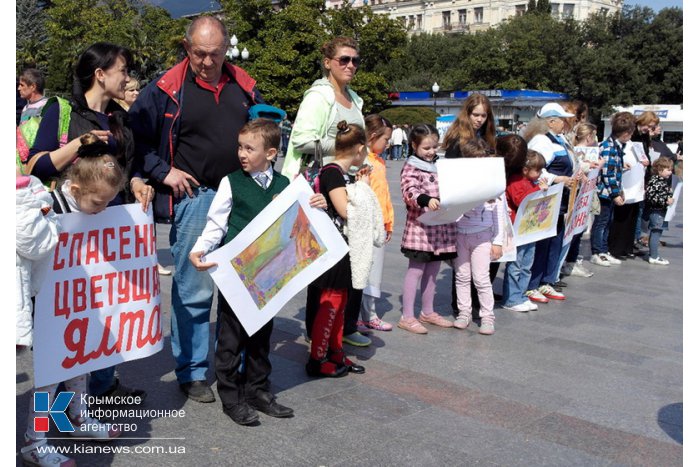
<point x="219" y="211"/>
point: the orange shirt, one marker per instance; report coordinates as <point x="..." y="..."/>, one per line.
<point x="380" y="186"/>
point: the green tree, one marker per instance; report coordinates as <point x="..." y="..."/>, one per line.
<point x="544" y="7"/>
<point x="531" y="6"/>
<point x="30" y="35"/>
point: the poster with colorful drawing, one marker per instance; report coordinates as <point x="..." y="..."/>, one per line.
<point x="577" y="219"/>
<point x="282" y="250"/>
<point x="509" y="249"/>
<point x="537" y="215"/>
<point x="99" y="303"/>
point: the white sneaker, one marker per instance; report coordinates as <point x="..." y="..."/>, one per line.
<point x="600" y="260"/>
<point x="31" y="455"/>
<point x="533" y="306"/>
<point x="567" y="269"/>
<point x="520" y="307"/>
<point x="579" y="271"/>
<point x="612" y="259"/>
<point x="659" y="260"/>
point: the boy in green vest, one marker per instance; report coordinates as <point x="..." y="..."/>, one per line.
<point x="241" y="196"/>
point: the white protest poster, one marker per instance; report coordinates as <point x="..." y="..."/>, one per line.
<point x="464" y="184"/>
<point x="510" y="252"/>
<point x="577" y="220"/>
<point x="653" y="155"/>
<point x="281" y="251"/>
<point x="587" y="153"/>
<point x="633" y="183"/>
<point x="677" y="186"/>
<point x="537" y="215"/>
<point x="99" y="304"/>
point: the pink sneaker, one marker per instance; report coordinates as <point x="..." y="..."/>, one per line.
<point x="436" y="319"/>
<point x="412" y="325"/>
<point x="378" y="325"/>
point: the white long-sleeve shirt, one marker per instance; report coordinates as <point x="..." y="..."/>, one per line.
<point x="488" y="216"/>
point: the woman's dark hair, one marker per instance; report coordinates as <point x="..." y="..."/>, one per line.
<point x="476" y="148"/>
<point x="421" y="131"/>
<point x="349" y="135"/>
<point x="101" y="55"/>
<point x="513" y="149"/>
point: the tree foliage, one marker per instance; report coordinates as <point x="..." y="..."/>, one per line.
<point x="634" y="56"/>
<point x="30" y="35"/>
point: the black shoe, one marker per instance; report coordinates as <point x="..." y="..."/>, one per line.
<point x="198" y="391"/>
<point x="242" y="413"/>
<point x="497" y="297"/>
<point x="619" y="257"/>
<point x="340" y="359"/>
<point x="325" y="368"/>
<point x="559" y="284"/>
<point x="267" y="404"/>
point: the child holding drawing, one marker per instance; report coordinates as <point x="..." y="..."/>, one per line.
<point x="424" y="246"/>
<point x="241" y="196"/>
<point x="658" y="197"/>
<point x="93" y="181"/>
<point x="517" y="275"/>
<point x="479" y="241"/>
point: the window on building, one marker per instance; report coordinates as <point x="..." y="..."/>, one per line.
<point x="445" y="19"/>
<point x="402" y="20"/>
<point x="411" y="22"/>
<point x="520" y="10"/>
<point x="462" y="17"/>
<point x="555" y="9"/>
<point x="567" y="10"/>
<point x="419" y="22"/>
<point x="604" y="11"/>
<point x="479" y="15"/>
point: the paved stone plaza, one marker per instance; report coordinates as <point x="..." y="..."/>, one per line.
<point x="595" y="380"/>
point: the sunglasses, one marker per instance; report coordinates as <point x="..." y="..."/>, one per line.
<point x="345" y="59"/>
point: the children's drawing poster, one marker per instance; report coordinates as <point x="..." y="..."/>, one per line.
<point x="281" y="251"/>
<point x="465" y="184"/>
<point x="537" y="215"/>
<point x="99" y="304"/>
<point x="577" y="218"/>
<point x="509" y="249"/>
<point x="677" y="186"/>
<point x="633" y="183"/>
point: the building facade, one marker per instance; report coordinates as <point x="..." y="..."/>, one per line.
<point x="455" y="16"/>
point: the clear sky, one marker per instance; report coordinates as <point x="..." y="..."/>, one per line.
<point x="656" y="4"/>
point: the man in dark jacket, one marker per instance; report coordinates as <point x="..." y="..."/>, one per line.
<point x="186" y="126"/>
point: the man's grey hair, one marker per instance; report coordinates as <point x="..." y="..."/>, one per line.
<point x="201" y="21"/>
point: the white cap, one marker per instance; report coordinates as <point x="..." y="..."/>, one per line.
<point x="553" y="109"/>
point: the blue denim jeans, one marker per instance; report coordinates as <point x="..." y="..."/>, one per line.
<point x="396" y="152"/>
<point x="601" y="227"/>
<point x="546" y="263"/>
<point x="192" y="291"/>
<point x="101" y="380"/>
<point x="656" y="228"/>
<point x="517" y="276"/>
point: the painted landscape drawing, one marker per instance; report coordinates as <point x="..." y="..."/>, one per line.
<point x="539" y="215"/>
<point x="288" y="246"/>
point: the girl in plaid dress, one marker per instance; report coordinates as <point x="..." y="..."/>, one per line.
<point x="424" y="246"/>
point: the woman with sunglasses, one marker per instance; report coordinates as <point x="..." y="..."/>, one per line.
<point x="327" y="102"/>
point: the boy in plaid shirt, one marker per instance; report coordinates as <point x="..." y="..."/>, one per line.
<point x="610" y="190"/>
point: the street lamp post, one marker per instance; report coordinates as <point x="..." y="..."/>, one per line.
<point x="436" y="89"/>
<point x="233" y="52"/>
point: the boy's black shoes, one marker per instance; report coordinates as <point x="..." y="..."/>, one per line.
<point x="267" y="404"/>
<point x="198" y="391"/>
<point x="242" y="413"/>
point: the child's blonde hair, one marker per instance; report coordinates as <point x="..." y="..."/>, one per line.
<point x="534" y="160"/>
<point x="660" y="164"/>
<point x="582" y="131"/>
<point x="94" y="165"/>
